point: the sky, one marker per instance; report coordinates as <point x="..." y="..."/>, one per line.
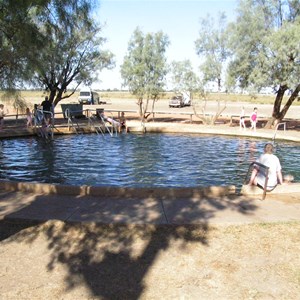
<point x="179" y="19"/>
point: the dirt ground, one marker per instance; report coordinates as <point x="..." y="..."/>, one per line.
<point x="56" y="260"/>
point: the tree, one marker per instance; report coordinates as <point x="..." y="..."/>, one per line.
<point x="51" y="44"/>
<point x="144" y="68"/>
<point x="212" y="45"/>
<point x="72" y="52"/>
<point x="18" y="34"/>
<point x="184" y="79"/>
<point x="265" y="43"/>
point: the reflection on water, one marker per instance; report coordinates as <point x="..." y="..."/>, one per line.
<point x="150" y="160"/>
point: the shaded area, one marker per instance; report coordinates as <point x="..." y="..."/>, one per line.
<point x="104" y="255"/>
<point x="109" y="254"/>
<point x="10" y="228"/>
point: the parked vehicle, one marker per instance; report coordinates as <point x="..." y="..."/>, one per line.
<point x="186" y="98"/>
<point x="88" y="96"/>
<point x="176" y="101"/>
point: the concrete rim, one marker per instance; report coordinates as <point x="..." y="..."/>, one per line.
<point x="117" y="192"/>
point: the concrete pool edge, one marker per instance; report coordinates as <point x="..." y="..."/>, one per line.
<point x="117" y="192"/>
<point x="131" y="192"/>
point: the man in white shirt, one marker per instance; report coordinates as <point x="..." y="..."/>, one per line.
<point x="274" y="175"/>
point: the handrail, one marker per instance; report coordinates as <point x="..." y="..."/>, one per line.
<point x="277" y="126"/>
<point x="41" y="123"/>
<point x="266" y="174"/>
<point x="91" y="123"/>
<point x="104" y="120"/>
<point x="68" y="114"/>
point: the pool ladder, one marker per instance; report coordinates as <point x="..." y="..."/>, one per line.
<point x="102" y="127"/>
<point x="276" y="129"/>
<point x="43" y="130"/>
<point x="72" y="122"/>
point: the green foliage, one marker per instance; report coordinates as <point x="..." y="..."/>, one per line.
<point x="184" y="78"/>
<point x="265" y="43"/>
<point x="72" y="52"/>
<point x="51" y="44"/>
<point x="212" y="45"/>
<point x="144" y="68"/>
<point x="18" y="36"/>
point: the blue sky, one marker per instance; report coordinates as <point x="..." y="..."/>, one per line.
<point x="179" y="19"/>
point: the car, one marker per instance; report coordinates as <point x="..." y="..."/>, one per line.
<point x="88" y="96"/>
<point x="176" y="101"/>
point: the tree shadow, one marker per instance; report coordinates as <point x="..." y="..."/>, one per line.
<point x="11" y="228"/>
<point x="113" y="258"/>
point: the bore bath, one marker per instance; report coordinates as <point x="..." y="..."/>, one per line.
<point x="137" y="160"/>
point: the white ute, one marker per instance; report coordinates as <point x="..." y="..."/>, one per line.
<point x="87" y="96"/>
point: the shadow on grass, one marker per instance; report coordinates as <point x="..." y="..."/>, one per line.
<point x="112" y="260"/>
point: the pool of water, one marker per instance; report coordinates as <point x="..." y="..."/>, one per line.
<point x="138" y="160"/>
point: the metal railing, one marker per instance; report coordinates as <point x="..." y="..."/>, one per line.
<point x="276" y="129"/>
<point x="96" y="120"/>
<point x="114" y="127"/>
<point x="43" y="127"/>
<point x="92" y="122"/>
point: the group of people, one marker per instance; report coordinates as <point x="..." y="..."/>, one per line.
<point x="45" y="112"/>
<point x="42" y="112"/>
<point x="253" y="119"/>
<point x="267" y="159"/>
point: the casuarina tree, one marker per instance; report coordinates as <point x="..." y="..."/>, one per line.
<point x="266" y="51"/>
<point x="144" y="69"/>
<point x="51" y="44"/>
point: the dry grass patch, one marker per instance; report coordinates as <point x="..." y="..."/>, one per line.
<point x="91" y="261"/>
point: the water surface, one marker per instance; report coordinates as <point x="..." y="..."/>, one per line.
<point x="138" y="160"/>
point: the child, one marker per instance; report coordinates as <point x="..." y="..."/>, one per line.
<point x="28" y="117"/>
<point x="253" y="119"/>
<point x="242" y="119"/>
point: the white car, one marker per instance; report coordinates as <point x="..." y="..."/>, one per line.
<point x="87" y="96"/>
<point x="176" y="101"/>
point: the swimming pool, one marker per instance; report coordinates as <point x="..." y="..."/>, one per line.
<point x="138" y="160"/>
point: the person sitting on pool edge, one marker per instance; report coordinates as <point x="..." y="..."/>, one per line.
<point x="274" y="176"/>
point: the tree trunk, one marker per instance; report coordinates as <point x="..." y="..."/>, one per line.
<point x="140" y="104"/>
<point x="278" y="115"/>
<point x="289" y="102"/>
<point x="208" y="120"/>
